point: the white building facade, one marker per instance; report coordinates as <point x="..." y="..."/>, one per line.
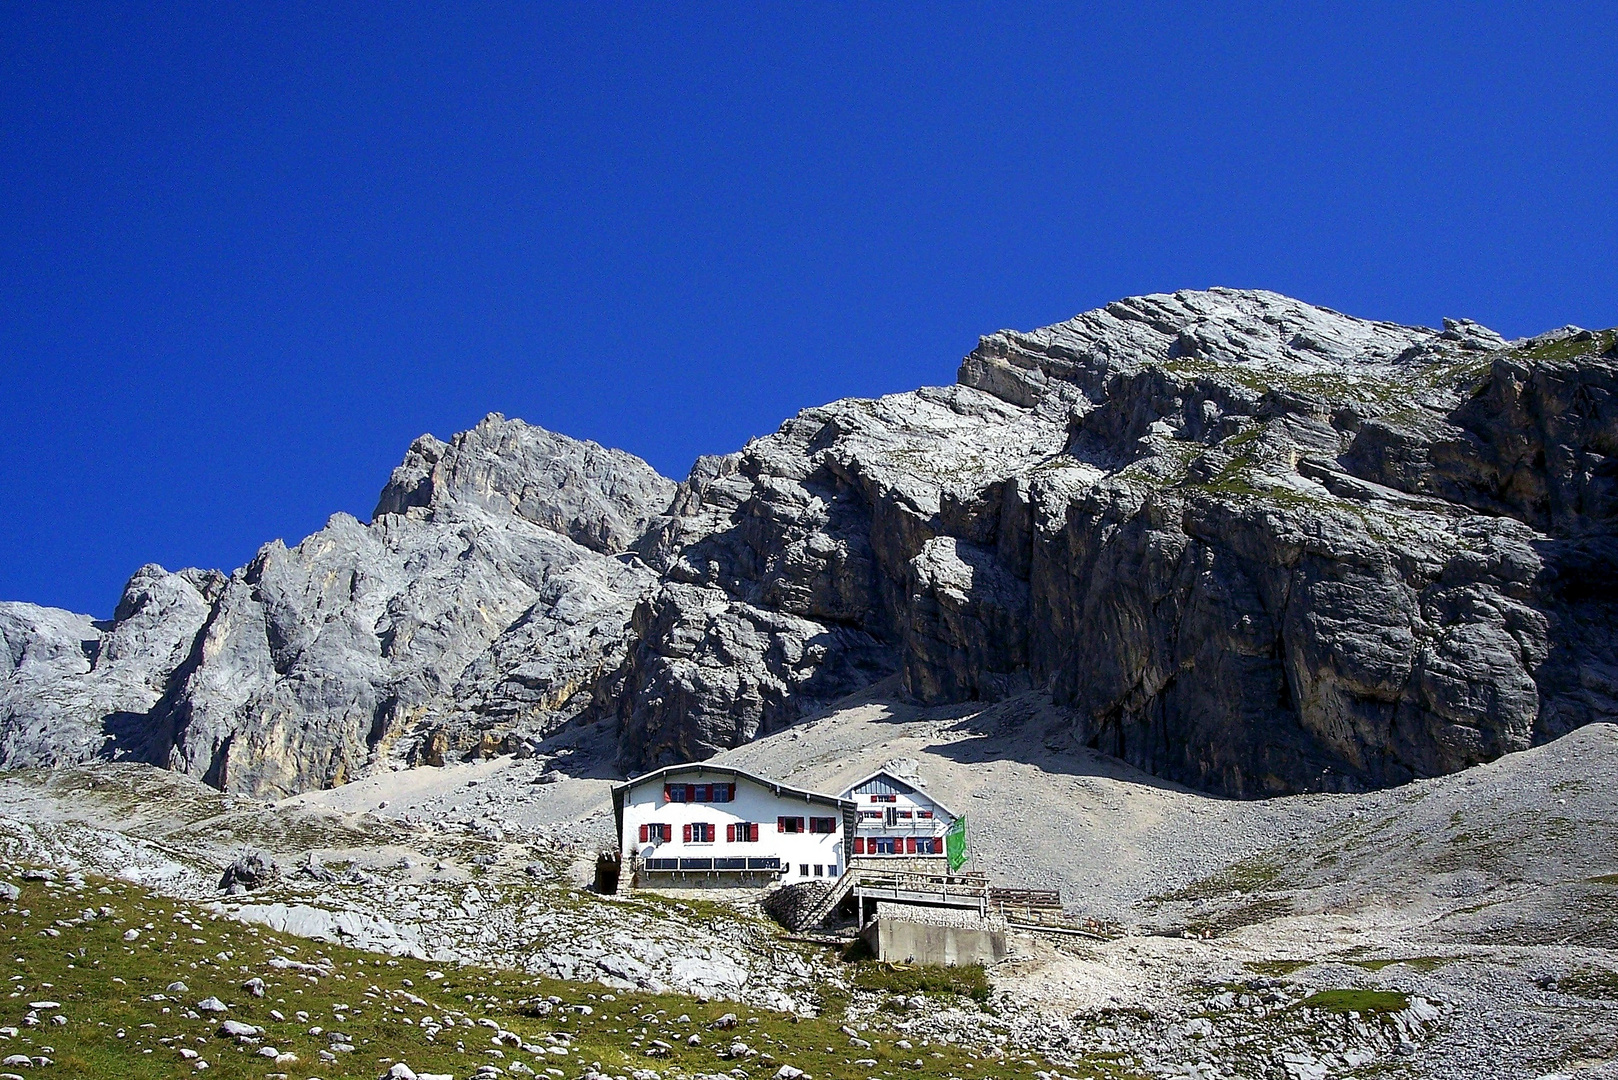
<point x="695" y="825"/>
<point x="897" y="820"/>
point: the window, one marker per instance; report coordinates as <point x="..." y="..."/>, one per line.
<point x="803" y="869"/>
<point x="831" y="871"/>
<point x="882" y="845"/>
<point x="870" y="815"/>
<point x="884" y="798"/>
<point x="924" y="813"/>
<point x="656" y="833"/>
<point x="789" y="824"/>
<point x="743" y="832"/>
<point x="822" y="824"/>
<point x="699" y="792"/>
<point x="699" y="832"/>
<point x="905" y="814"/>
<point x="820" y="869"/>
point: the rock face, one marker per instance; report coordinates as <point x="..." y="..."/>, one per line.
<point x="1252" y="545"/>
<point x="599" y="498"/>
<point x="466" y="592"/>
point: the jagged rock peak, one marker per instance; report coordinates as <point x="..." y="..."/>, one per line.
<point x="1193" y="328"/>
<point x="1244" y="543"/>
<point x="595" y="496"/>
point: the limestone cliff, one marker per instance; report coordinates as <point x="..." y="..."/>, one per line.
<point x="1250" y="544"/>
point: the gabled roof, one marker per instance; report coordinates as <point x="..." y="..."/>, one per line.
<point x="902" y="782"/>
<point x="620" y="792"/>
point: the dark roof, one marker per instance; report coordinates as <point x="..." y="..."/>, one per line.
<point x="621" y="791"/>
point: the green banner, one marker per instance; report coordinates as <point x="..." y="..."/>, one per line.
<point x="955" y="844"/>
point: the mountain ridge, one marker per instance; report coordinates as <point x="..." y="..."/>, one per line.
<point x="1250" y="544"/>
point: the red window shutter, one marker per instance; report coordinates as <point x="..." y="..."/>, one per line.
<point x="730" y="792"/>
<point x="910" y="845"/>
<point x="668" y="795"/>
<point x="690" y="793"/>
<point x="730" y="834"/>
<point x="687" y="832"/>
<point x="859" y="846"/>
<point x="643" y="832"/>
<point x="800" y="824"/>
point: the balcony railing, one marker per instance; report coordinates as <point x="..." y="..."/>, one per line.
<point x="754" y="863"/>
<point x="925" y="827"/>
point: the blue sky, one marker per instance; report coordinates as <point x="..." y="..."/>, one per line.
<point x="248" y="252"/>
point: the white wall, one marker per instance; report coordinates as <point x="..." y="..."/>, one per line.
<point x="902" y="828"/>
<point x="753" y="803"/>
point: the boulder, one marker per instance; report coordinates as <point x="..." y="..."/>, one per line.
<point x="251" y="870"/>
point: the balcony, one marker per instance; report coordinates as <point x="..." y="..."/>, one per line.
<point x="734" y="864"/>
<point x="922" y="827"/>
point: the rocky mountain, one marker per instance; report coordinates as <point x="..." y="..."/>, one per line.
<point x="1246" y="543"/>
<point x="484" y="593"/>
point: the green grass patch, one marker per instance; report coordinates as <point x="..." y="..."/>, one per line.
<point x="968" y="981"/>
<point x="367" y="1011"/>
<point x="1250" y="913"/>
<point x="1570" y="347"/>
<point x="1417" y="963"/>
<point x="1597" y="983"/>
<point x="1249" y="875"/>
<point x="1276" y="969"/>
<point x="1360" y="1001"/>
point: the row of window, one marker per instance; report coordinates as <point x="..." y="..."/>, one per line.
<point x="741" y="832"/>
<point x="751" y="863"/>
<point x="895" y="815"/>
<point x="899" y="845"/>
<point x="699" y="792"/>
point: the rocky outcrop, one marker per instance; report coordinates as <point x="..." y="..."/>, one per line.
<point x="73" y="688"/>
<point x="599" y="498"/>
<point x="464" y="616"/>
<point x="1254" y="545"/>
<point x="708" y="672"/>
<point x="1249" y="544"/>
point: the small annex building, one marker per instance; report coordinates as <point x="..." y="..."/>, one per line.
<point x="897" y="821"/>
<point x="695" y="825"/>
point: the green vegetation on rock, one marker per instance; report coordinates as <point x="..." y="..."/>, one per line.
<point x="104" y="957"/>
<point x="1360" y="1001"/>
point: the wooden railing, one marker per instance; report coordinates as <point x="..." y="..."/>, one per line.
<point x="1027" y="898"/>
